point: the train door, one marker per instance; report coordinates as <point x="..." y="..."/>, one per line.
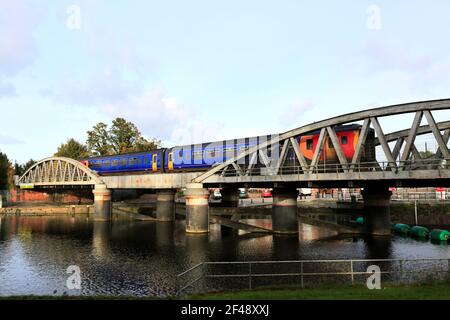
<point x="155" y="162"/>
<point x="170" y="161"/>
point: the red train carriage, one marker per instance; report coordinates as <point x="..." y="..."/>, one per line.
<point x="348" y="137"/>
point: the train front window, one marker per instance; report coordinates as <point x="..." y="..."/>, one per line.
<point x="309" y="144"/>
<point x="344" y="140"/>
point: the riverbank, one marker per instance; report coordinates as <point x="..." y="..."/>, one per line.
<point x="416" y="292"/>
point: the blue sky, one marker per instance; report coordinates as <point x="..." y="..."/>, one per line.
<point x="193" y="71"/>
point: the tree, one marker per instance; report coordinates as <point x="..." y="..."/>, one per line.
<point x="123" y="137"/>
<point x="98" y="141"/>
<point x="72" y="149"/>
<point x="20" y="169"/>
<point x="6" y="172"/>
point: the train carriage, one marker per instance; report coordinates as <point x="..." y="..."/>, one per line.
<point x="201" y="157"/>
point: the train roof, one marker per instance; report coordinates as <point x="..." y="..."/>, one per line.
<point x="347" y="127"/>
<point x="122" y="154"/>
<point x="340" y="128"/>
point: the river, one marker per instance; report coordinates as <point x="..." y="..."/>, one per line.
<point x="142" y="258"/>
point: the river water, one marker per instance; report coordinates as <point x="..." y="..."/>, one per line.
<point x="142" y="258"/>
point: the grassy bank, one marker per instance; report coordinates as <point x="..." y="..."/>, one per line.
<point x="416" y="292"/>
<point x="422" y="292"/>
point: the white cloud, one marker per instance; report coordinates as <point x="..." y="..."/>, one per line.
<point x="9" y="140"/>
<point x="17" y="45"/>
<point x="7" y="90"/>
<point x="291" y="115"/>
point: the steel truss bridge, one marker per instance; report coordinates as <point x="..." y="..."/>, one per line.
<point x="404" y="165"/>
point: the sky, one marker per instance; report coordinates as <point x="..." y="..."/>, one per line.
<point x="198" y="71"/>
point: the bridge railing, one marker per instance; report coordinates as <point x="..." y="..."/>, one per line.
<point x="249" y="275"/>
<point x="335" y="168"/>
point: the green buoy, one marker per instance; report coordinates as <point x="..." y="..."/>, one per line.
<point x="419" y="232"/>
<point x="438" y="234"/>
<point x="401" y="228"/>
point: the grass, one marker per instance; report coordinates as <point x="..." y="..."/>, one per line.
<point x="440" y="291"/>
<point x="416" y="292"/>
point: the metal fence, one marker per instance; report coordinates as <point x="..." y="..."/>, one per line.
<point x="324" y="168"/>
<point x="222" y="276"/>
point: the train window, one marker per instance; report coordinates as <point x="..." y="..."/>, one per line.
<point x="106" y="163"/>
<point x="133" y="161"/>
<point x="344" y="140"/>
<point x="123" y="162"/>
<point x="210" y="153"/>
<point x="198" y="155"/>
<point x="115" y="163"/>
<point x="309" y="144"/>
<point x="170" y="156"/>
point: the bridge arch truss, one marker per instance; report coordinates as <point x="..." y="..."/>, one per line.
<point x="58" y="171"/>
<point x="403" y="162"/>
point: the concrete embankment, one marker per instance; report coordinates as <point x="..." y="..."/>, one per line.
<point x="45" y="210"/>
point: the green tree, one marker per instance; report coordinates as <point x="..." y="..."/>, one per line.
<point x="72" y="149"/>
<point x="123" y="136"/>
<point x="20" y="169"/>
<point x="98" y="141"/>
<point x="6" y="172"/>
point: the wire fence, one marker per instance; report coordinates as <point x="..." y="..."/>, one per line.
<point x="248" y="275"/>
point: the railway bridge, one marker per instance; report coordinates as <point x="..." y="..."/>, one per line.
<point x="402" y="166"/>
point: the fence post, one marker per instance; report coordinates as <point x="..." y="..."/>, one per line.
<point x="351" y="271"/>
<point x="301" y="273"/>
<point x="250" y="276"/>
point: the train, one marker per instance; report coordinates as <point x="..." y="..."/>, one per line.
<point x="201" y="157"/>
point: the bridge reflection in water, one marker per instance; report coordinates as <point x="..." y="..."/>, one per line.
<point x="143" y="258"/>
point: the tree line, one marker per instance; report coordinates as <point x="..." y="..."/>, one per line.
<point x="120" y="137"/>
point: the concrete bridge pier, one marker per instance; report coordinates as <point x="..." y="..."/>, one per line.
<point x="197" y="208"/>
<point x="165" y="205"/>
<point x="102" y="203"/>
<point x="377" y="213"/>
<point x="284" y="211"/>
<point x="230" y="199"/>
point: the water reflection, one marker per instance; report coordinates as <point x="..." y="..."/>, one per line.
<point x="143" y="258"/>
<point x="378" y="247"/>
<point x="285" y="247"/>
<point x="101" y="235"/>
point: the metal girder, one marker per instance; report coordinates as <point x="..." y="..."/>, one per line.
<point x="337" y="147"/>
<point x="299" y="155"/>
<point x="347" y="118"/>
<point x="425" y="129"/>
<point x="59" y="171"/>
<point x="361" y="142"/>
<point x="445" y="138"/>
<point x="412" y="136"/>
<point x="383" y="142"/>
<point x="319" y="148"/>
<point x="437" y="134"/>
<point x="282" y="156"/>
